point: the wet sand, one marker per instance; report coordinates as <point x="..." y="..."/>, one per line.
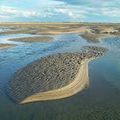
<point x="33" y="39"/>
<point x="4" y="46"/>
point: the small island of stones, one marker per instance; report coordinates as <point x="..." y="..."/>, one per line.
<point x="53" y="77"/>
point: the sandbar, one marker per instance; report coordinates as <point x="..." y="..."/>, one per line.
<point x="33" y="39"/>
<point x="4" y="46"/>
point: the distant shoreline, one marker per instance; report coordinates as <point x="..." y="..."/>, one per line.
<point x="94" y="30"/>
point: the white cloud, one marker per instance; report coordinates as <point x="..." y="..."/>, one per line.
<point x="3" y="16"/>
<point x="14" y="12"/>
<point x="52" y="10"/>
<point x="7" y="10"/>
<point x="72" y="12"/>
<point x="111" y="12"/>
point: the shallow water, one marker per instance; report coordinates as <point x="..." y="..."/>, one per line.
<point x="3" y="29"/>
<point x="100" y="101"/>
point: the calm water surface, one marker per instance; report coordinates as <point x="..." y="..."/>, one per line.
<point x="101" y="101"/>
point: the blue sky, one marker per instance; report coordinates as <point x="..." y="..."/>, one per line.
<point x="60" y="10"/>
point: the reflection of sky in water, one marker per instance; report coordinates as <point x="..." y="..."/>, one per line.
<point x="112" y="43"/>
<point x="109" y="65"/>
<point x="4" y="38"/>
<point x="3" y="29"/>
<point x="6" y="29"/>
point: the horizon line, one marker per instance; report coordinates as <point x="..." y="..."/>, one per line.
<point x="60" y="22"/>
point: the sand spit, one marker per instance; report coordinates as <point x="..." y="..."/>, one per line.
<point x="33" y="39"/>
<point x="46" y="76"/>
<point x="80" y="82"/>
<point x="4" y="46"/>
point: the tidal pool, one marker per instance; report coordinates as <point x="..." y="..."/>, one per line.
<point x="100" y="101"/>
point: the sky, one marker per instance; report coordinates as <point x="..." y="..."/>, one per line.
<point x="60" y="11"/>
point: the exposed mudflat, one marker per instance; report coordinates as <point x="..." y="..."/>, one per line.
<point x="33" y="39"/>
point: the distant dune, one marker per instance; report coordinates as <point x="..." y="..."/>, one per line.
<point x="95" y="30"/>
